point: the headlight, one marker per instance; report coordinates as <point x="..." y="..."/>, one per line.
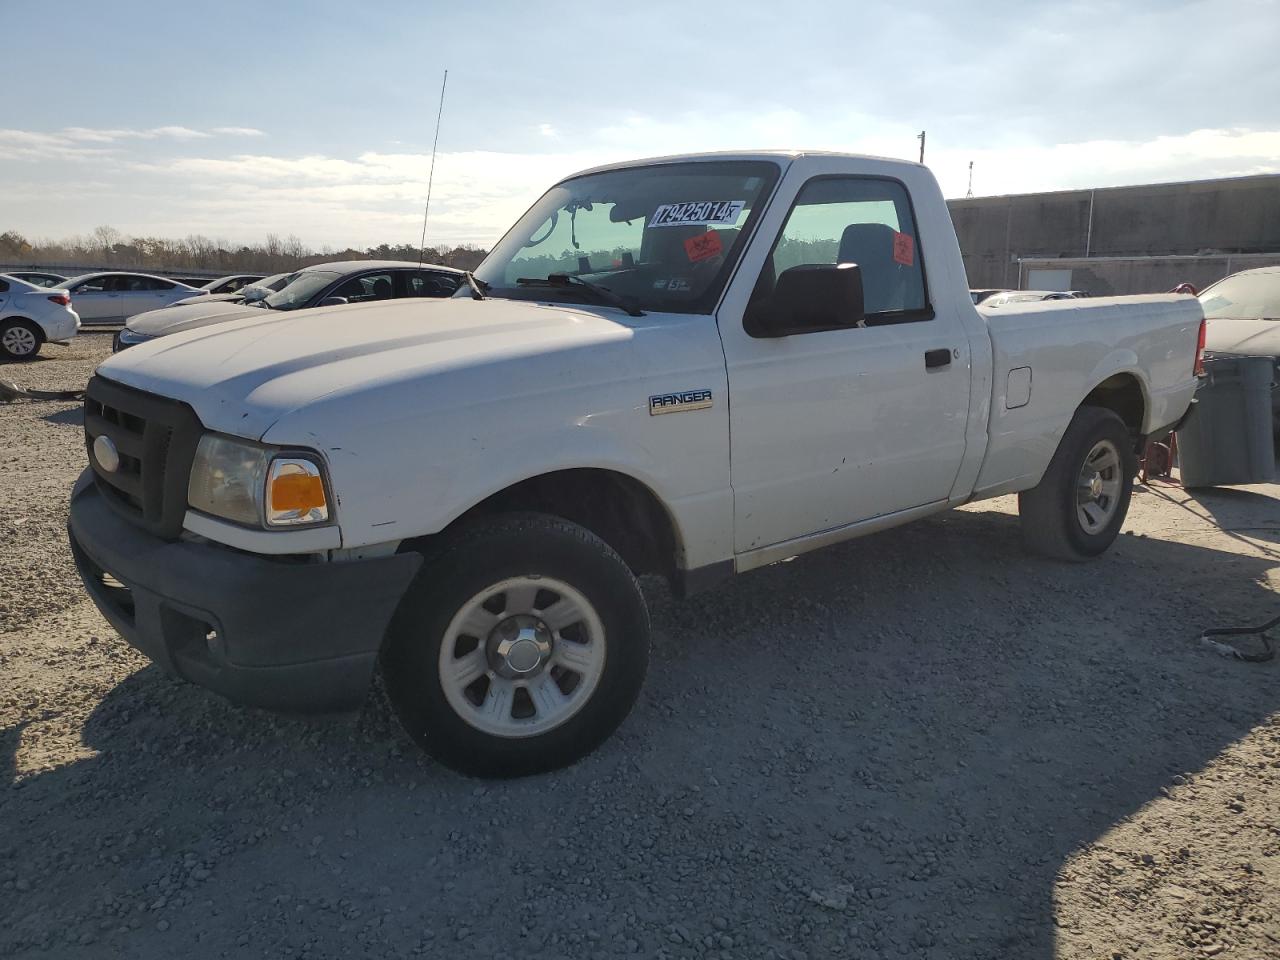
<point x="255" y="485"/>
<point x="130" y="338"/>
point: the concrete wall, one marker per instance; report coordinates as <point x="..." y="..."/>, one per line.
<point x="1239" y="215"/>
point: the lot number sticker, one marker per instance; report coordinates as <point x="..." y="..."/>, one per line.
<point x="697" y="212"/>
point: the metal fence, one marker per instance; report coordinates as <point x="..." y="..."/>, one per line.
<point x="76" y="269"/>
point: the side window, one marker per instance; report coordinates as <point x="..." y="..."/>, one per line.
<point x="373" y="286"/>
<point x="96" y="285"/>
<point x="423" y="284"/>
<point x="4" y="286"/>
<point x="856" y="220"/>
<point x="156" y="284"/>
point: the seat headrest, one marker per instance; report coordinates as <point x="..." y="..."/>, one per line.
<point x="870" y="246"/>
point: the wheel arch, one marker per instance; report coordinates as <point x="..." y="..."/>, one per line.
<point x="1123" y="393"/>
<point x="622" y="511"/>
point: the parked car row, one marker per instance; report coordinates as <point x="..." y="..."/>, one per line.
<point x="325" y="284"/>
<point x="34" y="309"/>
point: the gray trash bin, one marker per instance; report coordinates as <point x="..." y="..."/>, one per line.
<point x="1227" y="439"/>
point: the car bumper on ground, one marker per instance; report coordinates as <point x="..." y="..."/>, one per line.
<point x="281" y="633"/>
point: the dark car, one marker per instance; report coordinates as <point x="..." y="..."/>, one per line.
<point x="322" y="285"/>
<point x="232" y="284"/>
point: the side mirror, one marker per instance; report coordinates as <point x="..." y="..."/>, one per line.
<point x="333" y="301"/>
<point x="810" y="298"/>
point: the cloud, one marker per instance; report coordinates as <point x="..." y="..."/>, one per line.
<point x="28" y="145"/>
<point x="179" y="133"/>
<point x="1025" y="167"/>
<point x="65" y="143"/>
<point x="375" y="196"/>
<point x="547" y="130"/>
<point x="477" y="194"/>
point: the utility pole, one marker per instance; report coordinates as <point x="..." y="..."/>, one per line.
<point x="969" y="195"/>
<point x="920" y="137"/>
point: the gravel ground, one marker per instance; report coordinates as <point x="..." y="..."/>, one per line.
<point x="920" y="744"/>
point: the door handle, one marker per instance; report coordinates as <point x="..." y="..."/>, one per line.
<point x="933" y="359"/>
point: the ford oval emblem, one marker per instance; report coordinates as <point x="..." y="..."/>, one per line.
<point x="105" y="452"/>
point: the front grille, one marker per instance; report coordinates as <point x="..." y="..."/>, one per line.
<point x="156" y="440"/>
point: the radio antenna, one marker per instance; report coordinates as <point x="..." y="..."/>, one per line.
<point x="422" y="246"/>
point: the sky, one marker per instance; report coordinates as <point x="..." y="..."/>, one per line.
<point x="315" y="119"/>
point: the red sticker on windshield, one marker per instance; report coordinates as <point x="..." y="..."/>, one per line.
<point x="904" y="249"/>
<point x="704" y="246"/>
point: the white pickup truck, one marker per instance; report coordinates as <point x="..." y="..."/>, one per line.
<point x="691" y="366"/>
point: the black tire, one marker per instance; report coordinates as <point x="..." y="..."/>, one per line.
<point x="473" y="560"/>
<point x="17" y="324"/>
<point x="1051" y="525"/>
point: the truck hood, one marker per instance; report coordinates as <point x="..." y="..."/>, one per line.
<point x="188" y="316"/>
<point x="1259" y="338"/>
<point x="242" y="376"/>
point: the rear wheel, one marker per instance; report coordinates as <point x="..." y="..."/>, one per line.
<point x="520" y="647"/>
<point x="1080" y="504"/>
<point x="20" y="339"/>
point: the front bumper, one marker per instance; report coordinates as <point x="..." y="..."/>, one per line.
<point x="281" y="633"/>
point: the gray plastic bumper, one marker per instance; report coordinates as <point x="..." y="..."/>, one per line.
<point x="281" y="633"/>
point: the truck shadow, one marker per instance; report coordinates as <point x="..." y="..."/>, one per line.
<point x="1237" y="512"/>
<point x="888" y="748"/>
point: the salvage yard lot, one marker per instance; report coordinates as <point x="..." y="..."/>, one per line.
<point x="924" y="743"/>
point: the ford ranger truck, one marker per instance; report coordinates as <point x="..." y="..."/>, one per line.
<point x="691" y="366"/>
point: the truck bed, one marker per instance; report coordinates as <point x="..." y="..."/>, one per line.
<point x="1069" y="347"/>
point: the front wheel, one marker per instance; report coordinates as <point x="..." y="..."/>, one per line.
<point x="1076" y="511"/>
<point x="520" y="647"/>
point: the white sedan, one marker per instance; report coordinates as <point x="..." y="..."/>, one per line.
<point x="114" y="297"/>
<point x="31" y="316"/>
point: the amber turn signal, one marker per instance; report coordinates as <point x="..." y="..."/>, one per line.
<point x="295" y="493"/>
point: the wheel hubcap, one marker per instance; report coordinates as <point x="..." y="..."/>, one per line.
<point x="522" y="657"/>
<point x="519" y="647"/>
<point x="1098" y="487"/>
<point x="19" y="341"/>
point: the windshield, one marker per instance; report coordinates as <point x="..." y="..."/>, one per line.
<point x="665" y="236"/>
<point x="1245" y="296"/>
<point x="301" y="289"/>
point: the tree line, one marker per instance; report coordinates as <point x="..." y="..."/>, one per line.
<point x="107" y="247"/>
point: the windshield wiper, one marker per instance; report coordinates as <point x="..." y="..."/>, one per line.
<point x="477" y="286"/>
<point x="602" y="294"/>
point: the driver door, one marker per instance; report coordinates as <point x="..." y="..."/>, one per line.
<point x="97" y="300"/>
<point x="833" y="427"/>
